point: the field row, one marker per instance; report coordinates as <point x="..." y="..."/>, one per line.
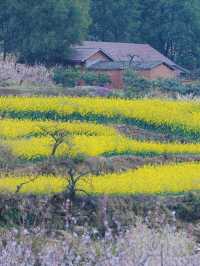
<point x="177" y="116"/>
<point x="13" y="128"/>
<point x="39" y="147"/>
<point x="147" y="180"/>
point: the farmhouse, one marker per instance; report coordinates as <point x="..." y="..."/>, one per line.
<point x="113" y="58"/>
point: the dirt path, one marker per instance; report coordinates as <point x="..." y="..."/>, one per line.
<point x="148" y="135"/>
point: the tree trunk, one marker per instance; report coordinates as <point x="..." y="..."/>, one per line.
<point x="4" y="52"/>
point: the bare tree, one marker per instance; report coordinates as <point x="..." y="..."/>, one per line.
<point x="59" y="137"/>
<point x="73" y="178"/>
<point x="134" y="60"/>
<point x="73" y="175"/>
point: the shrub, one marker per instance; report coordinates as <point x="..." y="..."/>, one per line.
<point x="169" y="85"/>
<point x="173" y="85"/>
<point x="103" y="79"/>
<point x="90" y="78"/>
<point x="7" y="159"/>
<point x="189" y="209"/>
<point x="193" y="89"/>
<point x="68" y="77"/>
<point x="135" y="85"/>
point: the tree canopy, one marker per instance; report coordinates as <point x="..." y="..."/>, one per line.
<point x="171" y="26"/>
<point x="42" y="31"/>
<point x="115" y="20"/>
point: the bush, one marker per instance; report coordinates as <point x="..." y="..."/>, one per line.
<point x="169" y="85"/>
<point x="189" y="209"/>
<point x="135" y="85"/>
<point x="90" y="78"/>
<point x="7" y="159"/>
<point x="173" y="85"/>
<point x="103" y="79"/>
<point x="193" y="89"/>
<point x="68" y="77"/>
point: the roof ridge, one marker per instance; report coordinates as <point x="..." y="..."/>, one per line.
<point x="118" y="42"/>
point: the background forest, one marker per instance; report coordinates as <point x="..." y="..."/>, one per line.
<point x="43" y="32"/>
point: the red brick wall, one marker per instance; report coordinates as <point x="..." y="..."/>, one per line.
<point x="161" y="71"/>
<point x="116" y="77"/>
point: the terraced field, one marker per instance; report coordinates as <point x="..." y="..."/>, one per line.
<point x="177" y="117"/>
<point x="147" y="180"/>
<point x="28" y="126"/>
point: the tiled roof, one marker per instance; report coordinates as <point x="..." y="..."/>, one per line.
<point x="152" y="64"/>
<point x="80" y="54"/>
<point x="120" y="65"/>
<point x="107" y="66"/>
<point x="124" y="51"/>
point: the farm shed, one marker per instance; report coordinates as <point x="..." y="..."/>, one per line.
<point x="113" y="58"/>
<point x="150" y="70"/>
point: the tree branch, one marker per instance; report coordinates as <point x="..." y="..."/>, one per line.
<point x="19" y="187"/>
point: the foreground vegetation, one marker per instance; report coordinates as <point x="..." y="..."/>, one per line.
<point x="150" y="246"/>
<point x="35" y="139"/>
<point x="59" y="183"/>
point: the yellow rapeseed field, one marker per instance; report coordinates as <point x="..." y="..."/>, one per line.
<point x="181" y="114"/>
<point x="27" y="140"/>
<point x="41" y="185"/>
<point x="13" y="128"/>
<point x="95" y="146"/>
<point x="175" y="178"/>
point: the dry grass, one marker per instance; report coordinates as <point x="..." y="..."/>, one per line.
<point x="136" y="247"/>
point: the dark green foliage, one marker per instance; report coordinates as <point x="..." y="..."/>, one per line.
<point x="7" y="159"/>
<point x="172" y="27"/>
<point x="7" y="27"/>
<point x="189" y="209"/>
<point x="70" y="77"/>
<point x="176" y="86"/>
<point x="103" y="79"/>
<point x="135" y="85"/>
<point x="115" y="20"/>
<point x="168" y="85"/>
<point x="90" y="78"/>
<point x="67" y="77"/>
<point x="42" y="31"/>
<point x="193" y="89"/>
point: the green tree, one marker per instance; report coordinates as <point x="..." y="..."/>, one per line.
<point x="172" y="27"/>
<point x="52" y="26"/>
<point x="114" y="20"/>
<point x="8" y="27"/>
<point x="45" y="29"/>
